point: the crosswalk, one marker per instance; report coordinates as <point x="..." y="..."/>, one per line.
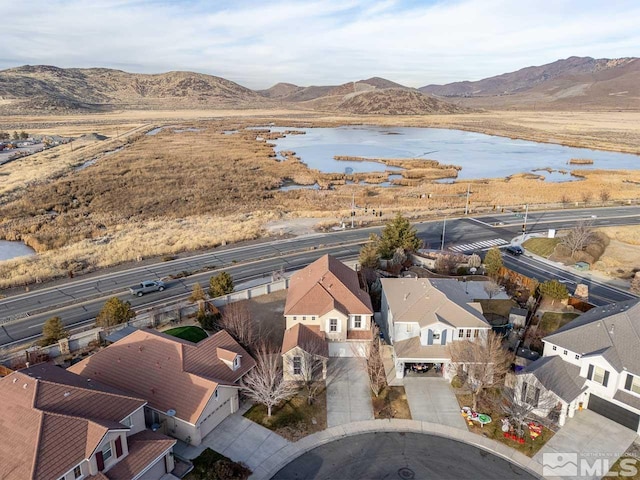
<point x="483" y="245"/>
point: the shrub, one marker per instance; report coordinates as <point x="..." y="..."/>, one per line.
<point x="221" y="284"/>
<point x="114" y="312"/>
<point x="228" y="470"/>
<point x="207" y="320"/>
<point x="457" y="382"/>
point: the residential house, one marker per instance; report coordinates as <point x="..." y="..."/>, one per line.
<point x="190" y="388"/>
<point x="423" y="316"/>
<point x="592" y="362"/>
<point x="304" y="353"/>
<point x="327" y="295"/>
<point x="59" y="426"/>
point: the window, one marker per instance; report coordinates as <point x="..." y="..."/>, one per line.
<point x="236" y="362"/>
<point x="357" y="321"/>
<point x="436" y="335"/>
<point x="304" y="318"/>
<point x="409" y="328"/>
<point x="577" y="357"/>
<point x="126" y="422"/>
<point x="295" y="318"/>
<point x="564" y="352"/>
<point x="297" y="365"/>
<point x="469" y="333"/>
<point x="106" y="451"/>
<point x="313" y="317"/>
<point x="475" y="334"/>
<point x="555" y="348"/>
<point x="77" y="472"/>
<point x="598" y="375"/>
<point x="632" y="384"/>
<point x="215" y="394"/>
<point x="333" y="325"/>
<point x="460" y="333"/>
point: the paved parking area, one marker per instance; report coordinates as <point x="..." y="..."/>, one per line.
<point x="348" y="397"/>
<point x="432" y="400"/>
<point x="590" y="435"/>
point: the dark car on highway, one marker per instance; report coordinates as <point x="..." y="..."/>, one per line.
<point x="514" y="250"/>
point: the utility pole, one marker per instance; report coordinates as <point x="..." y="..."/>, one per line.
<point x="466" y="205"/>
<point x="524" y="225"/>
<point x="353" y="208"/>
<point x="444" y="228"/>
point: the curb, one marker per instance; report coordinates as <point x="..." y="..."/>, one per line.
<point x="271" y="465"/>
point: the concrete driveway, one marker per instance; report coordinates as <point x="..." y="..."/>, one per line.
<point x="348" y="397"/>
<point x="432" y="400"/>
<point x="590" y="436"/>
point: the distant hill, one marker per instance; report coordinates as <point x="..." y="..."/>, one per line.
<point x="396" y="101"/>
<point x="47" y="89"/>
<point x="572" y="83"/>
<point x="289" y="92"/>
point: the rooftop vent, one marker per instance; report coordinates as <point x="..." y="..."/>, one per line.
<point x="66" y="394"/>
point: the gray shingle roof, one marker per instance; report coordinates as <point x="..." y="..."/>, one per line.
<point x="558" y="376"/>
<point x="613" y="330"/>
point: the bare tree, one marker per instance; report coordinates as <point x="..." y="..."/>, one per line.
<point x="491" y="288"/>
<point x="605" y="196"/>
<point x="519" y="404"/>
<point x="565" y="200"/>
<point x="312" y="365"/>
<point x="264" y="383"/>
<point x="236" y="319"/>
<point x="375" y="366"/>
<point x="586" y="197"/>
<point x="485" y="360"/>
<point x="578" y="237"/>
<point x="474" y="261"/>
<point x="445" y="264"/>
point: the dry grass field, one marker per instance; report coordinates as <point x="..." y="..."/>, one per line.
<point x="175" y="192"/>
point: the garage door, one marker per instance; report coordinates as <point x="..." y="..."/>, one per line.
<point x="614" y="412"/>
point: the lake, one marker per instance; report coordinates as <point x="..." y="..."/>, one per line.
<point x="479" y="155"/>
<point x="9" y="250"/>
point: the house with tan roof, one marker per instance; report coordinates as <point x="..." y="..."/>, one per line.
<point x="58" y="425"/>
<point x="591" y="362"/>
<point x="304" y="353"/>
<point x="327" y="297"/>
<point x="423" y="316"/>
<point x="189" y="388"/>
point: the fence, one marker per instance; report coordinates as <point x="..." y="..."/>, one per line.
<point x="174" y="311"/>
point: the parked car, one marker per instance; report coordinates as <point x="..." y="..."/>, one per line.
<point x="514" y="250"/>
<point x="146" y="287"/>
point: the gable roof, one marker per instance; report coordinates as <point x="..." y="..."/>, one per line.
<point x="170" y="373"/>
<point x="324" y="285"/>
<point x="428" y="301"/>
<point x="144" y="447"/>
<point x="558" y="376"/>
<point x="308" y="338"/>
<point x="52" y="422"/>
<point x="612" y="331"/>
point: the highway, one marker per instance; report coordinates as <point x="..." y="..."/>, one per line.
<point x="78" y="301"/>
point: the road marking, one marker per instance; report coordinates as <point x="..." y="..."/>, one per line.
<point x="480" y="245"/>
<point x="480" y="222"/>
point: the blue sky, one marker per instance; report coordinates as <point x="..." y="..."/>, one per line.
<point x="317" y="42"/>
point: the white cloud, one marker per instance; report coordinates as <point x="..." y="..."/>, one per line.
<point x="317" y="42"/>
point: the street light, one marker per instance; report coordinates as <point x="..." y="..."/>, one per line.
<point x="444" y="229"/>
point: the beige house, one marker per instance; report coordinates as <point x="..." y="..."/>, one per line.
<point x="57" y="425"/>
<point x="326" y="295"/>
<point x="190" y="388"/>
<point x="304" y="353"/>
<point x="423" y="316"/>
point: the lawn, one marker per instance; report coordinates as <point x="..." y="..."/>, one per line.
<point x="192" y="334"/>
<point x="211" y="465"/>
<point x="497" y="307"/>
<point x="552" y="321"/>
<point x="294" y="418"/>
<point x="541" y="246"/>
<point x="626" y="467"/>
<point x="391" y="403"/>
<point x="493" y="429"/>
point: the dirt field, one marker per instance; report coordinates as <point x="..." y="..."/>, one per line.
<point x="268" y="311"/>
<point x="621" y="258"/>
<point x="175" y="192"/>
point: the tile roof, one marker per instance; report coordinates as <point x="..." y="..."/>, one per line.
<point x="144" y="448"/>
<point x="359" y="335"/>
<point x="170" y="373"/>
<point x="612" y="331"/>
<point x="412" y="349"/>
<point x="324" y="285"/>
<point x="625" y="397"/>
<point x="560" y="377"/>
<point x="428" y="301"/>
<point x="307" y="337"/>
<point x="53" y="421"/>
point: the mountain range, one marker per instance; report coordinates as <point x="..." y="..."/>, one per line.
<point x="572" y="83"/>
